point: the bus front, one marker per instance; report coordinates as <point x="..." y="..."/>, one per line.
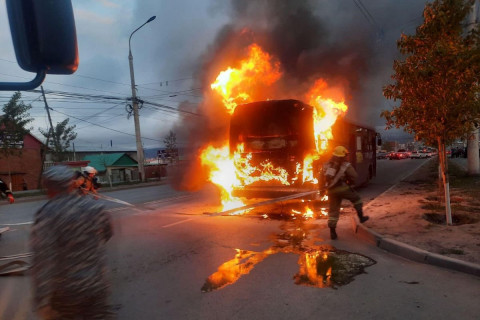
<point x="269" y="141"/>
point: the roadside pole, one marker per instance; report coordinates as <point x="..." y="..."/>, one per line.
<point x="472" y="142"/>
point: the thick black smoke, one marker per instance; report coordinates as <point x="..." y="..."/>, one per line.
<point x="348" y="43"/>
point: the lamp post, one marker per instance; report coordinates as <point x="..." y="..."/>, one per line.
<point x="140" y="159"/>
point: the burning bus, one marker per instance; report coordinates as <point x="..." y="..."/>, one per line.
<point x="276" y="147"/>
<point x="276" y="150"/>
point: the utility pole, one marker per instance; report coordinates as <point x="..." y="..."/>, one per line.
<point x="50" y="132"/>
<point x="49" y="120"/>
<point x="136" y="120"/>
<point x="473" y="160"/>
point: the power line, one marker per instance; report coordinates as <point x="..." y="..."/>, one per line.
<point x="366" y="14"/>
<point x="171" y="108"/>
<point x="182" y="79"/>
<point x="98" y="125"/>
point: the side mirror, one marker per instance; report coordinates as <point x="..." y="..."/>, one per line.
<point x="44" y="38"/>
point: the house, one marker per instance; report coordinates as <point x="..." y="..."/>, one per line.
<point x="120" y="167"/>
<point x="23" y="171"/>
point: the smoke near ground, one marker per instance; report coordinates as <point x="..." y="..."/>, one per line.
<point x="350" y="44"/>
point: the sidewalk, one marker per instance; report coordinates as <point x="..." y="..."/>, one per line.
<point x="398" y="224"/>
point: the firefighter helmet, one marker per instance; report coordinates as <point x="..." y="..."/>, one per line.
<point x="90" y="169"/>
<point x="340" y="151"/>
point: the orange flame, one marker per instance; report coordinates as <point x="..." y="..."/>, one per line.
<point x="325" y="113"/>
<point x="236" y="85"/>
<point x="222" y="174"/>
<point x="240" y="85"/>
<point x="249" y="174"/>
<point x="307" y="214"/>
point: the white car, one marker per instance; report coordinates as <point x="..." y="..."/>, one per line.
<point x="419" y="155"/>
<point x="415" y="155"/>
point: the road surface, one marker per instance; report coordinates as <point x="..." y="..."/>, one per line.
<point x="171" y="261"/>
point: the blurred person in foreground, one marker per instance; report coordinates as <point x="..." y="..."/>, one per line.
<point x="68" y="240"/>
<point x="339" y="176"/>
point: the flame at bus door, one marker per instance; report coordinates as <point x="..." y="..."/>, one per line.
<point x="308" y="175"/>
<point x="325" y="113"/>
<point x="237" y="85"/>
<point x="222" y="174"/>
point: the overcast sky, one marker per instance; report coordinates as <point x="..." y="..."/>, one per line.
<point x="177" y="46"/>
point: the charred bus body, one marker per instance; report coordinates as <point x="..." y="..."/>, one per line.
<point x="282" y="132"/>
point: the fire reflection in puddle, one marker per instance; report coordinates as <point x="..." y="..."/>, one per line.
<point x="320" y="266"/>
<point x="330" y="267"/>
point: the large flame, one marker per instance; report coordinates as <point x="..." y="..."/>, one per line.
<point x="249" y="173"/>
<point x="222" y="174"/>
<point x="240" y="85"/>
<point x="236" y="85"/>
<point x="325" y="113"/>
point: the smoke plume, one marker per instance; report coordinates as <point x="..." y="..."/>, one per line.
<point x="350" y="45"/>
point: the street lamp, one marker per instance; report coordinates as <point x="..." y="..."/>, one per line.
<point x="141" y="168"/>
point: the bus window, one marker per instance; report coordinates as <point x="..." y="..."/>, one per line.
<point x="359" y="143"/>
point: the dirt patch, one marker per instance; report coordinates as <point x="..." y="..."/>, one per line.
<point x="418" y="218"/>
<point x="457" y="219"/>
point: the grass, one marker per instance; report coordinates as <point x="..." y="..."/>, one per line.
<point x="460" y="179"/>
<point x="433" y="206"/>
<point x="452" y="251"/>
<point x="461" y="184"/>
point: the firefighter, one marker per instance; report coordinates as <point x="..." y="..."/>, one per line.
<point x="339" y="177"/>
<point x="86" y="182"/>
<point x="4" y="190"/>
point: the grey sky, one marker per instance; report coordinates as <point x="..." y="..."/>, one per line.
<point x="177" y="46"/>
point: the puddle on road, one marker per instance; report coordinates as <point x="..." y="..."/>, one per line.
<point x="320" y="266"/>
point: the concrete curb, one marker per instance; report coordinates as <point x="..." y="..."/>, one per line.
<point x="411" y="252"/>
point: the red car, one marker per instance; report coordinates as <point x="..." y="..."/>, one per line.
<point x="400" y="154"/>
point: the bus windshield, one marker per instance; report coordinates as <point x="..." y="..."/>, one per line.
<point x="272" y="126"/>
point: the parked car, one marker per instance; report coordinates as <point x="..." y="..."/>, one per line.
<point x="419" y="155"/>
<point x="415" y="155"/>
<point x="382" y="155"/>
<point x="399" y="155"/>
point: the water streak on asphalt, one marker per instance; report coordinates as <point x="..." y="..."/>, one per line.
<point x="321" y="266"/>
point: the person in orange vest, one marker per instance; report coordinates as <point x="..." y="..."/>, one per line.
<point x="87" y="182"/>
<point x="338" y="177"/>
<point x="6" y="191"/>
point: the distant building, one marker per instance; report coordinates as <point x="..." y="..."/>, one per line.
<point x="23" y="171"/>
<point x="120" y="167"/>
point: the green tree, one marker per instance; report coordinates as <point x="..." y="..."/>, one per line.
<point x="63" y="135"/>
<point x="13" y="127"/>
<point x="170" y="142"/>
<point x="13" y="124"/>
<point x="437" y="83"/>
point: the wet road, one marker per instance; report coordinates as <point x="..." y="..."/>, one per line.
<point x="170" y="261"/>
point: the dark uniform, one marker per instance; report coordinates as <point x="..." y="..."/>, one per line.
<point x="339" y="175"/>
<point x="68" y="240"/>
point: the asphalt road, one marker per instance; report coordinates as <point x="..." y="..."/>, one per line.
<point x="171" y="261"/>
